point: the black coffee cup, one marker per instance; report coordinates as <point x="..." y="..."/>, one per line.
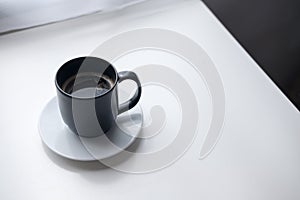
<point x="87" y="91"/>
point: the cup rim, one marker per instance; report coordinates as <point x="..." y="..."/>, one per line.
<point x="85" y="98"/>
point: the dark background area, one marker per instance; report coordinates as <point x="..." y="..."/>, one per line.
<point x="270" y="31"/>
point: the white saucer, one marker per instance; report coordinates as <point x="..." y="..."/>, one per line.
<point x="60" y="139"/>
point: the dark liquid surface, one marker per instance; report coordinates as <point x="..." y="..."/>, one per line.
<point x="87" y="85"/>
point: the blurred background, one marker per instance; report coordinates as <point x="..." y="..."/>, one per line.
<point x="268" y="29"/>
<point x="22" y="14"/>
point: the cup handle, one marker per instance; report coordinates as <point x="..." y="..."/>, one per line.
<point x="136" y="97"/>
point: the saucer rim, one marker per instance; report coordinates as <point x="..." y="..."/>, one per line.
<point x="92" y="158"/>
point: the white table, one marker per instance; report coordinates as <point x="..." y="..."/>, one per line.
<point x="257" y="156"/>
